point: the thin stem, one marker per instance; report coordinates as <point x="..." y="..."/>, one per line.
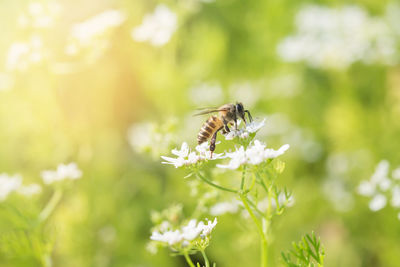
<point x="255" y="207"/>
<point x="205" y="258"/>
<point x="243" y="178"/>
<point x="264" y="244"/>
<point x="188" y="260"/>
<point x="51" y="205"/>
<point x="215" y="185"/>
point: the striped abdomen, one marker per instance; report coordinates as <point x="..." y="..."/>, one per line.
<point x="212" y="125"/>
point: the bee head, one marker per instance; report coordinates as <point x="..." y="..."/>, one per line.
<point x="240" y="112"/>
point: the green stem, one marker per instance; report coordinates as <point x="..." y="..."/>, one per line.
<point x="243" y="178"/>
<point x="205" y="258"/>
<point x="264" y="244"/>
<point x="51" y="205"/>
<point x="188" y="260"/>
<point x="215" y="185"/>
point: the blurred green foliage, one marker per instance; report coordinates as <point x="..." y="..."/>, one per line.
<point x="340" y="124"/>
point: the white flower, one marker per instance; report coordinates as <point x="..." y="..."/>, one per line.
<point x="377" y="202"/>
<point x="9" y="184"/>
<point x="207" y="229"/>
<point x="205" y="94"/>
<point x="385" y="184"/>
<point x="187" y="233"/>
<point x="243" y="133"/>
<point x="225" y="207"/>
<point x="183" y="152"/>
<point x="186" y="157"/>
<point x="205" y="153"/>
<point x="271" y="154"/>
<point x="381" y="172"/>
<point x="254" y="126"/>
<point x="68" y="171"/>
<point x="17" y="56"/>
<point x="87" y="31"/>
<point x="192" y="230"/>
<point x="254" y="155"/>
<point x="237" y="158"/>
<point x="177" y="162"/>
<point x="366" y="188"/>
<point x="396" y="173"/>
<point x="156" y="28"/>
<point x="395" y="202"/>
<point x="338" y="37"/>
<point x="39" y="15"/>
<point x="30" y="190"/>
<point x="170" y="237"/>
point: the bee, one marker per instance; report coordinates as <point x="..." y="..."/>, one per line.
<point x="228" y="115"/>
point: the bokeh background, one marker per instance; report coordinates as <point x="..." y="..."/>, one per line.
<point x="112" y="85"/>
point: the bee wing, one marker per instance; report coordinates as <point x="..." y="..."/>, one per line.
<point x="208" y="111"/>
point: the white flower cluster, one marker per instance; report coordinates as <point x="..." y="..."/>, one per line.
<point x="21" y="55"/>
<point x="63" y="171"/>
<point x="156" y="28"/>
<point x="338" y="37"/>
<point x="186" y="234"/>
<point x="10" y="184"/>
<point x="243" y="133"/>
<point x="187" y="157"/>
<point x="89" y="32"/>
<point x="255" y="154"/>
<point x="225" y="207"/>
<point x="380" y="186"/>
<point x="39" y="15"/>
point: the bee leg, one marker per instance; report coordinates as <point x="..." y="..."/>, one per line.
<point x="248" y="114"/>
<point x="226" y="128"/>
<point x="213" y="140"/>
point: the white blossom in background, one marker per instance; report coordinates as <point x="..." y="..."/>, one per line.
<point x="23" y="54"/>
<point x="39" y="15"/>
<point x="225" y="207"/>
<point x="29" y="190"/>
<point x="378" y="202"/>
<point x="337" y="37"/>
<point x="378" y="178"/>
<point x="147" y="137"/>
<point x="91" y="32"/>
<point x="381" y="188"/>
<point x="156" y="28"/>
<point x="247" y="92"/>
<point x="396" y="174"/>
<point x="206" y="94"/>
<point x="336" y="192"/>
<point x="9" y="184"/>
<point x="13" y="183"/>
<point x="87" y="31"/>
<point x="187" y="233"/>
<point x="63" y="171"/>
